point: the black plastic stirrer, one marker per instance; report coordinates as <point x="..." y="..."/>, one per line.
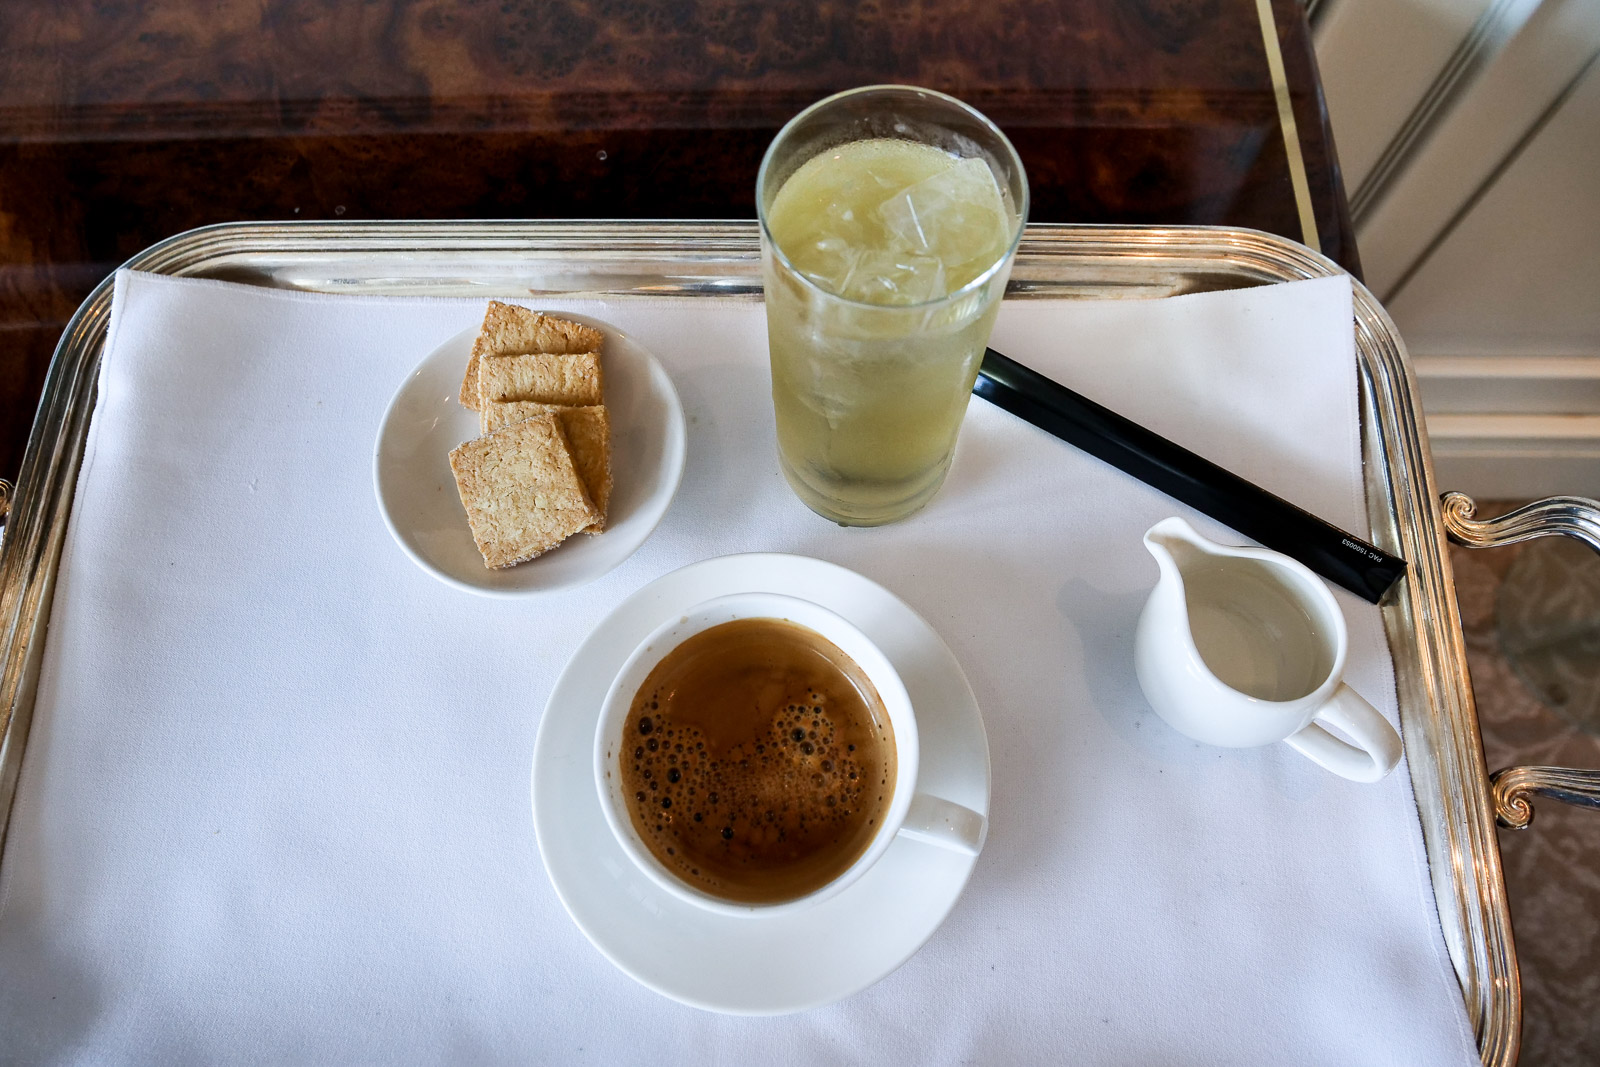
<point x="1364" y="569"/>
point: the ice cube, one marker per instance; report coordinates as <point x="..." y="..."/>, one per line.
<point x="828" y="262"/>
<point x="903" y="222"/>
<point x="897" y="278"/>
<point x="956" y="215"/>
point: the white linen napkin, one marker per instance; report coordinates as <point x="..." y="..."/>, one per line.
<point x="275" y="802"/>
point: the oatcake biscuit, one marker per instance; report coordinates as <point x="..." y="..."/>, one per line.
<point x="572" y="380"/>
<point x="588" y="431"/>
<point x="521" y="491"/>
<point x="498" y="413"/>
<point x="510" y="330"/>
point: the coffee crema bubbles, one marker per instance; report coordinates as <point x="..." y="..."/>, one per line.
<point x="757" y="761"/>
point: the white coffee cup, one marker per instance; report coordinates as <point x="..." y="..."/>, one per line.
<point x="1241" y="646"/>
<point x="909" y="813"/>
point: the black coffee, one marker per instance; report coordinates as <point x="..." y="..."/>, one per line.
<point x="757" y="760"/>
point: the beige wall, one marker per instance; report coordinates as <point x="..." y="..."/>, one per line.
<point x="1470" y="135"/>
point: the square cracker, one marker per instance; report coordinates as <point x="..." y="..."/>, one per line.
<point x="588" y="432"/>
<point x="571" y="380"/>
<point x="510" y="330"/>
<point x="521" y="491"/>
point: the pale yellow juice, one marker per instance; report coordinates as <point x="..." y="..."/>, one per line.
<point x="873" y="360"/>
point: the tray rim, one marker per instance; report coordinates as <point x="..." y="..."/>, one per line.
<point x="1439" y="719"/>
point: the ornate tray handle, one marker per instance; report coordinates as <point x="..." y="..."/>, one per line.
<point x="1575" y="517"/>
<point x="1515" y="785"/>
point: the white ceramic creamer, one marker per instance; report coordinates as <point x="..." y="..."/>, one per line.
<point x="1244" y="646"/>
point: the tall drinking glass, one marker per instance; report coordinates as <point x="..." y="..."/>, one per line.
<point x="889" y="219"/>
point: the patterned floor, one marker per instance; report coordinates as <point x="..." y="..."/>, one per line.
<point x="1531" y="614"/>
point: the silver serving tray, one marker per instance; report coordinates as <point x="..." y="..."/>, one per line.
<point x="619" y="259"/>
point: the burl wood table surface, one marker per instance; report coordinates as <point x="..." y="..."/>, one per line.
<point x="124" y="121"/>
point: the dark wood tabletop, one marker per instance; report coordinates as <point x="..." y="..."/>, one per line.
<point x="124" y="121"/>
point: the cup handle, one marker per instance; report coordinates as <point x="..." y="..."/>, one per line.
<point x="946" y="824"/>
<point x="1379" y="745"/>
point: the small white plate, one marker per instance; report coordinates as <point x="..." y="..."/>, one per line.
<point x="756" y="965"/>
<point x="417" y="492"/>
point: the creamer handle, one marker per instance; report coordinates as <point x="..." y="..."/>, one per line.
<point x="1377" y="745"/>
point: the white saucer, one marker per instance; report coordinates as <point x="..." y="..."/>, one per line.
<point x="766" y="965"/>
<point x="417" y="493"/>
